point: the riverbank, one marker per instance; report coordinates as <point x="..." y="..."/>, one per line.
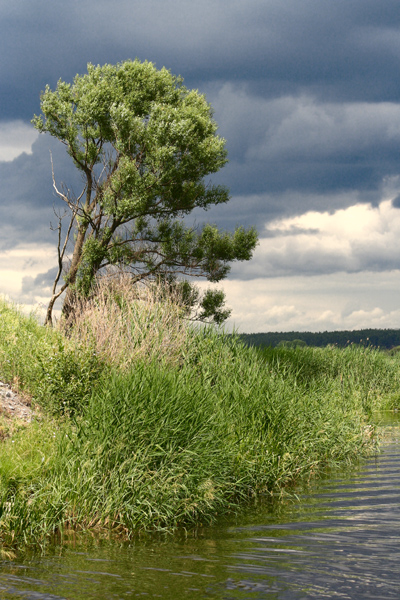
<point x="337" y="538"/>
<point x="175" y="429"/>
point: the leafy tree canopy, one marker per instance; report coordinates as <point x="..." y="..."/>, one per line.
<point x="144" y="145"/>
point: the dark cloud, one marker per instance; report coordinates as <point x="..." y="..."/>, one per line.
<point x="338" y="50"/>
<point x="300" y="143"/>
<point x="293" y="230"/>
<point x="38" y="284"/>
<point x="26" y="194"/>
<point x="309" y="263"/>
<point x="305" y="93"/>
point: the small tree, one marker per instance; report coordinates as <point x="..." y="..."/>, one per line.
<point x="144" y="145"/>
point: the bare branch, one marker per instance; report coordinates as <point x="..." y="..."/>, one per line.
<point x="61" y="250"/>
<point x="60" y="194"/>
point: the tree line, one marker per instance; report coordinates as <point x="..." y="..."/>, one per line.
<point x="382" y="338"/>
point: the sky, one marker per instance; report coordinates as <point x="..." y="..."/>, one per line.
<point x="306" y="94"/>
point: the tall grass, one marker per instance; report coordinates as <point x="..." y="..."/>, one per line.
<point x="57" y="372"/>
<point x="123" y="323"/>
<point x="366" y="375"/>
<point x="180" y="426"/>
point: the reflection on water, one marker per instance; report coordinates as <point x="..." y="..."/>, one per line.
<point x="342" y="540"/>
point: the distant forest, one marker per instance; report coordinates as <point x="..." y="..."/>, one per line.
<point x="382" y="338"/>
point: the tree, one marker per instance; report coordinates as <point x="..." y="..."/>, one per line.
<point x="144" y="145"/>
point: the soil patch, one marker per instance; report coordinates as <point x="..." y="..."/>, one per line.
<point x="13" y="404"/>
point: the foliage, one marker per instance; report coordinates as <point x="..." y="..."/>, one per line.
<point x="145" y="146"/>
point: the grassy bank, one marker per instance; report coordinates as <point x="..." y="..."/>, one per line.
<point x="175" y="427"/>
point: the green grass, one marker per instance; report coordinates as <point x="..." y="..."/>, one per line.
<point x="42" y="361"/>
<point x="157" y="444"/>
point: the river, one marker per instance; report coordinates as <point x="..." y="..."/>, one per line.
<point x="341" y="539"/>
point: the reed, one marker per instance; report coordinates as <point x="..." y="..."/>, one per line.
<point x="123" y="323"/>
<point x="176" y="435"/>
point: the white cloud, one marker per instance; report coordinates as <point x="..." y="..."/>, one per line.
<point x="358" y="238"/>
<point x="23" y="264"/>
<point x="16" y="137"/>
<point x="316" y="273"/>
<point x="293" y="303"/>
<point x="321" y="303"/>
<point x="322" y="271"/>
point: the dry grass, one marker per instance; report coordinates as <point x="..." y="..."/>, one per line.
<point x="123" y="322"/>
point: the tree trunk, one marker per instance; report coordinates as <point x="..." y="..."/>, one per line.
<point x="73" y="270"/>
<point x="49" y="313"/>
